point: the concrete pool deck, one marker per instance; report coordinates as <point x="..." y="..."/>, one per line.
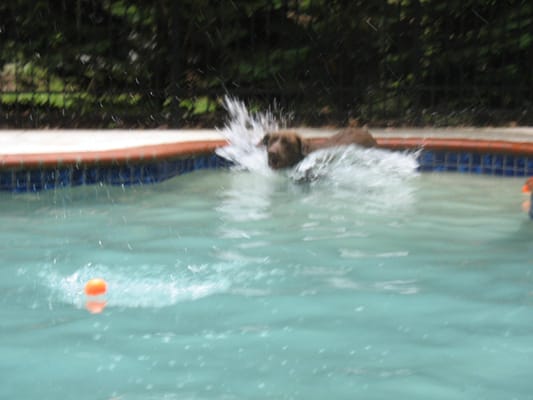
<point x="47" y="147"/>
<point x="14" y="142"/>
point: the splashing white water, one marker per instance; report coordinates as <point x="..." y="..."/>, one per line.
<point x="355" y="166"/>
<point x="149" y="286"/>
<point x="370" y="180"/>
<point x="345" y="165"/>
<point x="244" y="130"/>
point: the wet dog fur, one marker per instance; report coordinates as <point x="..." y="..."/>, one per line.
<point x="285" y="149"/>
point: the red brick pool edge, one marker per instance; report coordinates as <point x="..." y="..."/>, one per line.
<point x="471" y="145"/>
<point x="167" y="151"/>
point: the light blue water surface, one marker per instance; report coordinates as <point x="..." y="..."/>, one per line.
<point x="232" y="285"/>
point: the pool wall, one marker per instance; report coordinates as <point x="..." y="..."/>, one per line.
<point x="491" y="157"/>
<point x="156" y="163"/>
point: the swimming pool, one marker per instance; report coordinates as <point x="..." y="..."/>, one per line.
<point x="238" y="285"/>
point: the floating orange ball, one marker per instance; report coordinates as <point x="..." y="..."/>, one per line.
<point x="95" y="287"/>
<point x="528" y="186"/>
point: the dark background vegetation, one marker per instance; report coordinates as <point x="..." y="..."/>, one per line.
<point x="144" y="63"/>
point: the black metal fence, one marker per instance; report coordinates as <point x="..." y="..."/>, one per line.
<point x="140" y="63"/>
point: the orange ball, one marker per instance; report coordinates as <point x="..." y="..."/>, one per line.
<point x="95" y="287"/>
<point x="528" y="186"/>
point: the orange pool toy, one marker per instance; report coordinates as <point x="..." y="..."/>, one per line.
<point x="528" y="186"/>
<point x="95" y="287"/>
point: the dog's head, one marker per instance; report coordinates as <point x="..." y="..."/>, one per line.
<point x="284" y="149"/>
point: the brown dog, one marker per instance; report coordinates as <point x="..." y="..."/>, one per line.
<point x="286" y="149"/>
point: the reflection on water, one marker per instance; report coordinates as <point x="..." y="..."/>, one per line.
<point x="247" y="196"/>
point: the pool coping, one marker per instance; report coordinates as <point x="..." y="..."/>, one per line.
<point x="115" y="157"/>
<point x="21" y="149"/>
<point x="138" y="154"/>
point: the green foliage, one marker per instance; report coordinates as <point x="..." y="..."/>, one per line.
<point x="350" y="57"/>
<point x="196" y="106"/>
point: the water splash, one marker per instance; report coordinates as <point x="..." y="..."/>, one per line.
<point x="368" y="180"/>
<point x="356" y="166"/>
<point x="155" y="286"/>
<point x="378" y="178"/>
<point x="244" y="130"/>
<point x="147" y="286"/>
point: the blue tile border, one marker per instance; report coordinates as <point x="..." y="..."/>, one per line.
<point x="34" y="180"/>
<point x="475" y="163"/>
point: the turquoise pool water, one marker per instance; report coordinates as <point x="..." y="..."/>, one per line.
<point x="236" y="285"/>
